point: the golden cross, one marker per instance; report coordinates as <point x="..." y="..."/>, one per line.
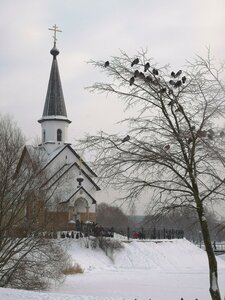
<point x="55" y="29"/>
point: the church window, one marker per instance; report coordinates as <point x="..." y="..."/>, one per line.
<point x="59" y="135"/>
<point x="44" y="136"/>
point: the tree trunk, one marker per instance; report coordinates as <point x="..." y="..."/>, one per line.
<point x="213" y="275"/>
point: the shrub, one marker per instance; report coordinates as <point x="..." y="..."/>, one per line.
<point x="108" y="245"/>
<point x="73" y="269"/>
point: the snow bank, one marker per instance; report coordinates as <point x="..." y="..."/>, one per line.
<point x="142" y="270"/>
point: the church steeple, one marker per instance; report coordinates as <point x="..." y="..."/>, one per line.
<point x="54" y="102"/>
<point x="54" y="120"/>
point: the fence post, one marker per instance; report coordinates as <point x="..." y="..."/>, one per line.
<point x="128" y="233"/>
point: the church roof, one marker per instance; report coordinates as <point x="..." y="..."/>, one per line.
<point x="79" y="189"/>
<point x="54" y="102"/>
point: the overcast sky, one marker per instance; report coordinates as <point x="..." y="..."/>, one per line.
<point x="172" y="31"/>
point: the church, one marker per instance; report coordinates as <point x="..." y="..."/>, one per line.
<point x="66" y="172"/>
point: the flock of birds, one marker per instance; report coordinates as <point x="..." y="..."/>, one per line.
<point x="153" y="79"/>
<point x="175" y="82"/>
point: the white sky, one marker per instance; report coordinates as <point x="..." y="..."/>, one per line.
<point x="173" y="31"/>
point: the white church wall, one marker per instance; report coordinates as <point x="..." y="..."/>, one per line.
<point x="50" y="128"/>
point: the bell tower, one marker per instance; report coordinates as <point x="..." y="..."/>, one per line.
<point x="54" y="121"/>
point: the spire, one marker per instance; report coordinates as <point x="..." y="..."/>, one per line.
<point x="54" y="102"/>
<point x="54" y="121"/>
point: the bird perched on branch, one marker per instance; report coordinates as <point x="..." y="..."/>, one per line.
<point x="135" y="62"/>
<point x="173" y="75"/>
<point x="178" y="73"/>
<point x="132" y="80"/>
<point x="163" y="90"/>
<point x="126" y="139"/>
<point x="106" y="64"/>
<point x="183" y="79"/>
<point x="136" y="73"/>
<point x="167" y="147"/>
<point x="178" y="84"/>
<point x="155" y="72"/>
<point x="172" y="82"/>
<point x="147" y="66"/>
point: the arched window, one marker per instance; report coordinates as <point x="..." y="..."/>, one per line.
<point x="43" y="136"/>
<point x="59" y="135"/>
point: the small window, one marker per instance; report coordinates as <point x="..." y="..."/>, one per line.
<point x="59" y="135"/>
<point x="43" y="136"/>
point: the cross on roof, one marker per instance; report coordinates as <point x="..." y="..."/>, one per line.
<point x="55" y="29"/>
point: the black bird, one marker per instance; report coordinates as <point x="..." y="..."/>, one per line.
<point x="189" y="140"/>
<point x="172" y="82"/>
<point x="106" y="64"/>
<point x="178" y="73"/>
<point x="141" y="75"/>
<point x="173" y="75"/>
<point x="210" y="137"/>
<point x="147" y="66"/>
<point x="126" y="139"/>
<point x="163" y="90"/>
<point x="222" y="133"/>
<point x="136" y="73"/>
<point x="183" y="79"/>
<point x="170" y="103"/>
<point x="155" y="72"/>
<point x="167" y="147"/>
<point x="131" y="80"/>
<point x="135" y="62"/>
<point x="148" y="78"/>
<point x="178" y="84"/>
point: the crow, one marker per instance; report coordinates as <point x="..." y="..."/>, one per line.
<point x="147" y="66"/>
<point x="178" y="73"/>
<point x="106" y="64"/>
<point x="131" y="80"/>
<point x="163" y="90"/>
<point x="141" y="75"/>
<point x="178" y="84"/>
<point x="136" y="73"/>
<point x="135" y="62"/>
<point x="183" y="79"/>
<point x="222" y="133"/>
<point x="172" y="82"/>
<point x="155" y="72"/>
<point x="126" y="139"/>
<point x="167" y="147"/>
<point x="173" y="75"/>
<point x="190" y="140"/>
<point x="148" y="78"/>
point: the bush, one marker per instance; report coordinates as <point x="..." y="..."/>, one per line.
<point x="108" y="245"/>
<point x="73" y="269"/>
<point x="39" y="270"/>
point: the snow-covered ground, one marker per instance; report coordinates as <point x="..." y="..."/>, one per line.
<point x="163" y="270"/>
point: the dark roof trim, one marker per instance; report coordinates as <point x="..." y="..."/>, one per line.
<point x="55" y="119"/>
<point x="81" y="188"/>
<point x="82" y="171"/>
<point x="84" y="163"/>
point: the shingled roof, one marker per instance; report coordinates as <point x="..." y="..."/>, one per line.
<point x="54" y="102"/>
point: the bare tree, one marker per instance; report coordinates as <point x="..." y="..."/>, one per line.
<point x="111" y="216"/>
<point x="174" y="147"/>
<point x="23" y="199"/>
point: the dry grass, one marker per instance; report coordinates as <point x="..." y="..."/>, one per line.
<point x="73" y="269"/>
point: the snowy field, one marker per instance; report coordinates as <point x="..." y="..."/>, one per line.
<point x="163" y="270"/>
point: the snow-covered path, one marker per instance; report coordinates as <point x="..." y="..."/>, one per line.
<point x="165" y="270"/>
